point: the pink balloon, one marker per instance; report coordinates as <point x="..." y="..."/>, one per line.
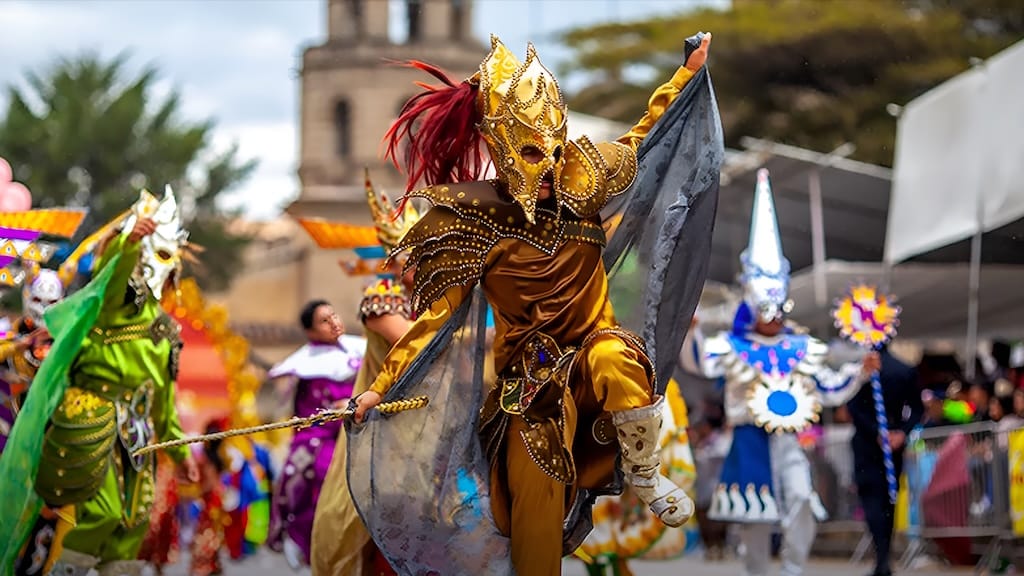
<point x="5" y="172"/>
<point x="14" y="197"/>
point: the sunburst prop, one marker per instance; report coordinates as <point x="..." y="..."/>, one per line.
<point x="780" y="404"/>
<point x="868" y="319"/>
<point x="865" y="317"/>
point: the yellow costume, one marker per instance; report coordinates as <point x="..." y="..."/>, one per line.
<point x="574" y="390"/>
<point x="340" y="542"/>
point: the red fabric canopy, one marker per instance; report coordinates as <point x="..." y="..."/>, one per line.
<point x="202" y="381"/>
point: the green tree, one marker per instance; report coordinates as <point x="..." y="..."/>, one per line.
<point x="812" y="73"/>
<point x="89" y="132"/>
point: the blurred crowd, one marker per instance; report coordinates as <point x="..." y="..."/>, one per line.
<point x="226" y="514"/>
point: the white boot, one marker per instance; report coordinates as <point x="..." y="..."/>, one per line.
<point x="638" y="432"/>
<point x="73" y="563"/>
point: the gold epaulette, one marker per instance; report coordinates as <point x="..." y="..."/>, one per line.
<point x="593" y="173"/>
<point x="449" y="245"/>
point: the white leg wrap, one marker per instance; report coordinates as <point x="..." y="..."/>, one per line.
<point x="73" y="563"/>
<point x="638" y="432"/>
<point x="122" y="568"/>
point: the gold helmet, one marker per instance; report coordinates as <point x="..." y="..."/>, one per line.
<point x="521" y="106"/>
<point x="391" y="225"/>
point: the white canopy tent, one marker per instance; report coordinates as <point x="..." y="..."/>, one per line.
<point x="959" y="166"/>
<point x="959" y="174"/>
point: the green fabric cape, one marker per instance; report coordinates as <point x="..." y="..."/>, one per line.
<point x="69" y="323"/>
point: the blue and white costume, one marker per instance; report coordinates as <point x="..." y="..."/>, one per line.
<point x="775" y="387"/>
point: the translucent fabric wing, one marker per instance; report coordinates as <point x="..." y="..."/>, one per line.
<point x="660" y="229"/>
<point x="419" y="478"/>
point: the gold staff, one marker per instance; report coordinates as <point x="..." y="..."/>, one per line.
<point x="318" y="419"/>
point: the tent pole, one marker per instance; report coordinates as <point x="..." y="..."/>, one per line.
<point x="887" y="271"/>
<point x="817" y="237"/>
<point x="974" y="286"/>
<point x="974" y="281"/>
<point x="818" y="252"/>
<point x="818" y="255"/>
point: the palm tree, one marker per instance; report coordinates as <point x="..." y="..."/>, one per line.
<point x="89" y="132"/>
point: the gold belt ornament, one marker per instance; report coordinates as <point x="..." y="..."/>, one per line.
<point x="536" y="391"/>
<point x="542" y="362"/>
<point x="161" y="328"/>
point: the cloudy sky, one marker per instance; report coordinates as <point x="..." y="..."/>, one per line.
<point x="237" y="60"/>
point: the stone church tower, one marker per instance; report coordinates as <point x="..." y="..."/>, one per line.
<point x="350" y="94"/>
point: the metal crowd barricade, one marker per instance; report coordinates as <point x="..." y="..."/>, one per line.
<point x="959" y="485"/>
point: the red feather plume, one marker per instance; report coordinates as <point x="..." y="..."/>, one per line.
<point x="440" y="128"/>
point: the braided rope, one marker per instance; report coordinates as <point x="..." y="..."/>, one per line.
<point x="320" y="418"/>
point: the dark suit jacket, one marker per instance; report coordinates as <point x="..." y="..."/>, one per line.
<point x="901" y="394"/>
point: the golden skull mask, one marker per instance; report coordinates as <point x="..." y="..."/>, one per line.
<point x="522" y="107"/>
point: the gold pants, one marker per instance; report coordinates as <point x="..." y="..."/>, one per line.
<point x="530" y="506"/>
<point x="340" y="542"/>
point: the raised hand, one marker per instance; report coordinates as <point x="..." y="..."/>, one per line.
<point x="872" y="363"/>
<point x="700" y="55"/>
<point x="143" y="227"/>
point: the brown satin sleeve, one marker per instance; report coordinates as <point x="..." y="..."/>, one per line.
<point x="656" y="106"/>
<point x="419" y="335"/>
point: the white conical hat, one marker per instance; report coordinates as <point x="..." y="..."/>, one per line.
<point x="765" y="269"/>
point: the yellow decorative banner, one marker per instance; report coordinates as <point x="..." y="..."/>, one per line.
<point x="55" y="222"/>
<point x="335" y="235"/>
<point x="1016" y="458"/>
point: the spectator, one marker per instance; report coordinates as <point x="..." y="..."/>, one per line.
<point x="1001" y="406"/>
<point x="978" y="396"/>
<point x="900" y="393"/>
<point x="934" y="401"/>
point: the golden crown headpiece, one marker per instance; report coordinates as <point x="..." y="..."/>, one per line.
<point x="391" y="224"/>
<point x="521" y="105"/>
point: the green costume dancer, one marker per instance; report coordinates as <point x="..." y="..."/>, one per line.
<point x="121" y="398"/>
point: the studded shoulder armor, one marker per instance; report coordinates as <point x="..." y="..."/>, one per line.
<point x="450" y="243"/>
<point x="593" y="173"/>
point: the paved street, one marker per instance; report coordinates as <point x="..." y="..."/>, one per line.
<point x="269" y="564"/>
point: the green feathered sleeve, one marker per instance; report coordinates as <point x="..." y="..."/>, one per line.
<point x="69" y="323"/>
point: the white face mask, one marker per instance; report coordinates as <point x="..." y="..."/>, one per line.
<point x="44" y="291"/>
<point x="161" y="251"/>
<point x="767" y="297"/>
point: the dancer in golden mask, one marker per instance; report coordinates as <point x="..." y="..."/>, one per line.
<point x="575" y="391"/>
